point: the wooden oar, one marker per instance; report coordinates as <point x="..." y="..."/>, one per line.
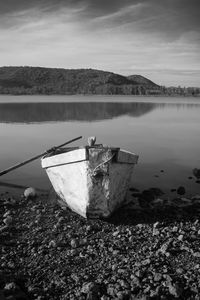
<point x="36" y="157"/>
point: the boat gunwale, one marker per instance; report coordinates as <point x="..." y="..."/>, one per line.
<point x="115" y="151"/>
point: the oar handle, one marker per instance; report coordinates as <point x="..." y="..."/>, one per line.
<point x="19" y="165"/>
<point x="73" y="140"/>
<point x="36" y="157"/>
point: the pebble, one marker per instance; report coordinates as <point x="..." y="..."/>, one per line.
<point x="157" y="276"/>
<point x="74" y="243"/>
<point x="7" y="213"/>
<point x="88" y="228"/>
<point x="52" y="244"/>
<point x="3" y="228"/>
<point x="181" y="190"/>
<point x="115" y="233"/>
<point x="175" y="229"/>
<point x="135" y="280"/>
<point x="111" y="290"/>
<point x="155" y="231"/>
<point x="156" y="224"/>
<point x="180" y="237"/>
<point x="10" y="286"/>
<point x="196" y="254"/>
<point x="90" y="287"/>
<point x="8" y="220"/>
<point x="61" y="220"/>
<point x="179" y="271"/>
<point x="139" y="252"/>
<point x="158" y="201"/>
<point x="30" y="193"/>
<point x="146" y="262"/>
<point x="196" y="173"/>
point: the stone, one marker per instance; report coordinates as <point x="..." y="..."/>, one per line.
<point x="52" y="244"/>
<point x="196" y="197"/>
<point x="155" y="232"/>
<point x="74" y="243"/>
<point x="155" y="225"/>
<point x="8" y="220"/>
<point x="30" y="193"/>
<point x="179" y="271"/>
<point x="7" y="214"/>
<point x="175" y="229"/>
<point x="135" y="280"/>
<point x="10" y="286"/>
<point x="115" y="233"/>
<point x="61" y="220"/>
<point x="157" y="276"/>
<point x="163" y="249"/>
<point x="10" y="297"/>
<point x="180" y="237"/>
<point x="196" y="254"/>
<point x="146" y="262"/>
<point x="92" y="290"/>
<point x="88" y="228"/>
<point x="122" y="295"/>
<point x="158" y="202"/>
<point x="111" y="290"/>
<point x="175" y="290"/>
<point x="181" y="190"/>
<point x="196" y="173"/>
<point x="3" y="228"/>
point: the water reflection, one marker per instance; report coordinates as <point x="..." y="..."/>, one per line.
<point x="52" y="112"/>
<point x="88" y="111"/>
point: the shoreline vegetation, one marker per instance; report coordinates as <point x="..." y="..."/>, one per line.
<point x="54" y="81"/>
<point x="146" y="250"/>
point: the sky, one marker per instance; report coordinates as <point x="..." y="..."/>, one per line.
<point x="159" y="39"/>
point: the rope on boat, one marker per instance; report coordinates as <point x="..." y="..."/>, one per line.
<point x="94" y="172"/>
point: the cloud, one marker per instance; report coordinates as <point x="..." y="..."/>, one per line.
<point x="166" y="19"/>
<point x="123" y="36"/>
<point x="93" y="6"/>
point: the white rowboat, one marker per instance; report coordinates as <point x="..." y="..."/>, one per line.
<point x="91" y="180"/>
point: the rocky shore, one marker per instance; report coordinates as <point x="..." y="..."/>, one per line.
<point x="150" y="249"/>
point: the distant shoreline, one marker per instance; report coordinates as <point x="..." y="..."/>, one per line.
<point x="103" y="95"/>
<point x="55" y="81"/>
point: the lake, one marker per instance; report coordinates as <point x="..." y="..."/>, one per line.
<point x="165" y="132"/>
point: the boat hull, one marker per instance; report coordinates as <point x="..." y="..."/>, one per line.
<point x="92" y="181"/>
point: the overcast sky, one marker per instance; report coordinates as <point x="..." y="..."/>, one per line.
<point x="159" y="39"/>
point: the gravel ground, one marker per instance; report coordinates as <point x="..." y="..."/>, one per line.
<point x="149" y="249"/>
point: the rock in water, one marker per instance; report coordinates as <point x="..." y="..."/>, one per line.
<point x="181" y="190"/>
<point x="30" y="193"/>
<point x="196" y="173"/>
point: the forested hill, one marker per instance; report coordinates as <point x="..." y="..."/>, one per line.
<point x="37" y="80"/>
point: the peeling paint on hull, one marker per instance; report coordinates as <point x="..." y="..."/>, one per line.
<point x="92" y="181"/>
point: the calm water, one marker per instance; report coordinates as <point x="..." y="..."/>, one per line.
<point x="165" y="132"/>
